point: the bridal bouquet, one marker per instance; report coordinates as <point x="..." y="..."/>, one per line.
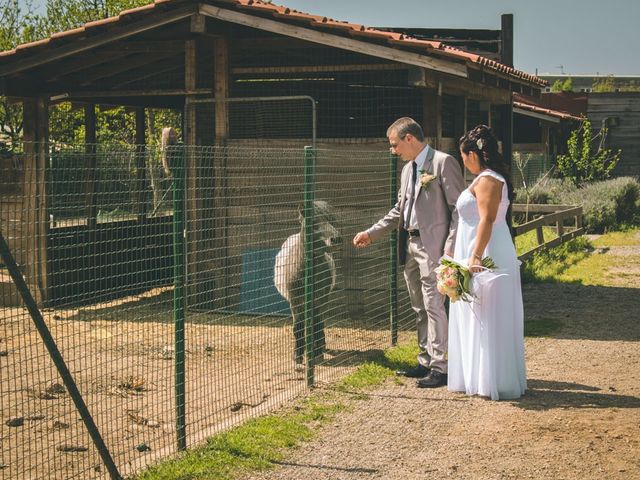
<point x="454" y="278"/>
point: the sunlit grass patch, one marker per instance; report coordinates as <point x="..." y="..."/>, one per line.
<point x="402" y="356"/>
<point x="603" y="270"/>
<point x="549" y="265"/>
<point x="255" y="445"/>
<point x="374" y="373"/>
<point x="529" y="240"/>
<point x="367" y="375"/>
<point x="624" y="238"/>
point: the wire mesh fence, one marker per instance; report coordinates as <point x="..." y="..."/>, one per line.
<point x="172" y="309"/>
<point x="528" y="167"/>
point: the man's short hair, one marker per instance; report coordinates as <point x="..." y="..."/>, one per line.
<point x="405" y="125"/>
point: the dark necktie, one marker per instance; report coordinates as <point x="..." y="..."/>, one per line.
<point x="412" y="190"/>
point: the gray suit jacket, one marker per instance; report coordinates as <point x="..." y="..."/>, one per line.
<point x="435" y="207"/>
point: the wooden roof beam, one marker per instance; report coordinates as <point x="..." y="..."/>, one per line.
<point x="318" y="68"/>
<point x="77" y="64"/>
<point x="144" y="46"/>
<point x="294" y="31"/>
<point x="77" y="46"/>
<point x="170" y="68"/>
<point x="419" y="77"/>
<point x="125" y="65"/>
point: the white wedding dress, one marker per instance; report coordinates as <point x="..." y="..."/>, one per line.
<point x="486" y="336"/>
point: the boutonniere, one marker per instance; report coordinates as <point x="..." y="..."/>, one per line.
<point x="426" y="178"/>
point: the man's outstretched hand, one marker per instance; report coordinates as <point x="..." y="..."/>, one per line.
<point x="361" y="240"/>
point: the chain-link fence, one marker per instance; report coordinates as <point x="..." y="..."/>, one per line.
<point x="166" y="299"/>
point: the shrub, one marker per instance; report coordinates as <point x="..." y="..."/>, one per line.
<point x="547" y="191"/>
<point x="607" y="205"/>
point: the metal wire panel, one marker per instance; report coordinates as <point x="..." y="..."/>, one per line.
<point x="100" y="261"/>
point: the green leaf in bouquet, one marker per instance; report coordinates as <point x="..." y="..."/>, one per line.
<point x="487" y="262"/>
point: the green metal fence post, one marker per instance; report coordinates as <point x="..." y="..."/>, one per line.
<point x="309" y="320"/>
<point x="393" y="255"/>
<point x="56" y="356"/>
<point x="179" y="291"/>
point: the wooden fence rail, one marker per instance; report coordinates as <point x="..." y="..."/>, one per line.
<point x="549" y="215"/>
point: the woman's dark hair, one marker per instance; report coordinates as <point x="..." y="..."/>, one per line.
<point x="482" y="141"/>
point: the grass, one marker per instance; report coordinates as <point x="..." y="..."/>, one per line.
<point x="375" y="372"/>
<point x="255" y="445"/>
<point x="577" y="261"/>
<point x="259" y="443"/>
<point x="624" y="238"/>
<point x="529" y="240"/>
<point x="549" y="265"/>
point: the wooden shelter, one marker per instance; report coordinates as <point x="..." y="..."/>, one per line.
<point x="198" y="56"/>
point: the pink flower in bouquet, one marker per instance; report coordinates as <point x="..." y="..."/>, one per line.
<point x="453" y="278"/>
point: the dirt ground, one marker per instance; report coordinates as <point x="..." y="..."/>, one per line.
<point x="579" y="419"/>
<point x="122" y="357"/>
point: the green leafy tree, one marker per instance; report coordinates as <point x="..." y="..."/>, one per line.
<point x="586" y="159"/>
<point x="16" y="27"/>
<point x="19" y="24"/>
<point x="632" y="86"/>
<point x="562" y="86"/>
<point x="603" y="85"/>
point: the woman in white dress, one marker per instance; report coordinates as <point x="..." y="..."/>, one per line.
<point x="486" y="336"/>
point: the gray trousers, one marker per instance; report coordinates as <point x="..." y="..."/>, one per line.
<point x="431" y="318"/>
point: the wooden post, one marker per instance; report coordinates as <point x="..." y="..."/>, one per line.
<point x="460" y="117"/>
<point x="90" y="166"/>
<point x="540" y="235"/>
<point x="545" y="141"/>
<point x="432" y="115"/>
<point x="36" y="148"/>
<point x="221" y="88"/>
<point x="506" y="40"/>
<point x="217" y="218"/>
<point x="506" y="117"/>
<point x="191" y="166"/>
<point x="140" y="197"/>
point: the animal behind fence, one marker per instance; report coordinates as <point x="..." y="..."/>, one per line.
<point x="289" y="276"/>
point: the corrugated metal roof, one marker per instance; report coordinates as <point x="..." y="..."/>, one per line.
<point x="282" y="13"/>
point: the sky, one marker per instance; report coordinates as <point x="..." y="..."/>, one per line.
<point x="550" y="36"/>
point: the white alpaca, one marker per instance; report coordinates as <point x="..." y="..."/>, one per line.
<point x="289" y="276"/>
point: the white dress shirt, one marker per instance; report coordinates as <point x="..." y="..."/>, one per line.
<point x="420" y="161"/>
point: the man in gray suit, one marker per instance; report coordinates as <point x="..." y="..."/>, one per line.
<point x="426" y="218"/>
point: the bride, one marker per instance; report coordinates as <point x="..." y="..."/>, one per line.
<point x="486" y="335"/>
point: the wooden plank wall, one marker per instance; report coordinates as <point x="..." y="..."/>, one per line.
<point x="625" y="106"/>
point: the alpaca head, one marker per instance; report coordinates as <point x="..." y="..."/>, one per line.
<point x="324" y="221"/>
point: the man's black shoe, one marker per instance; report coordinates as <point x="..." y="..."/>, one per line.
<point x="433" y="380"/>
<point x="417" y="372"/>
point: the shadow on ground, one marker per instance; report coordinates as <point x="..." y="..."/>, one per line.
<point x="549" y="394"/>
<point x="583" y="312"/>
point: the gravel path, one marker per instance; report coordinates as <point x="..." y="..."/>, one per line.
<point x="580" y="418"/>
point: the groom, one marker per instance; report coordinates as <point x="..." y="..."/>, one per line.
<point x="426" y="218"/>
